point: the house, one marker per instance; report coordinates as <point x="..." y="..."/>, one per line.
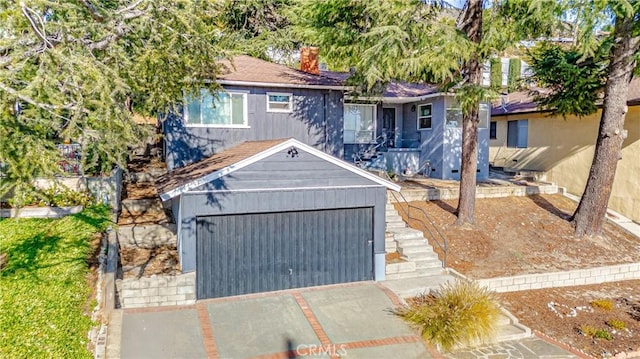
<point x="262" y="182"/>
<point x="523" y="138"/>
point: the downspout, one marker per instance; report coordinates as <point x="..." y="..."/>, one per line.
<point x="324" y="119"/>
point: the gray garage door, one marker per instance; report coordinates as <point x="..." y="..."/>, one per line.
<point x="251" y="253"/>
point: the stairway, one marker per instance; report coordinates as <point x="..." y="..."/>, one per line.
<point x="419" y="259"/>
<point x="421" y="272"/>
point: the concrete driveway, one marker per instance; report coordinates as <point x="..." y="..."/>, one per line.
<point x="348" y="321"/>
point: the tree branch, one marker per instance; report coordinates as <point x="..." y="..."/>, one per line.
<point x="95" y="13"/>
<point x="41" y="33"/>
<point x="29" y="100"/>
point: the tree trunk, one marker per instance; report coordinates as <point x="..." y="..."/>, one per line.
<point x="471" y="23"/>
<point x="590" y="214"/>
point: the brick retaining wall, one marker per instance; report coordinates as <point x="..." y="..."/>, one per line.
<point x="563" y="279"/>
<point x="158" y="291"/>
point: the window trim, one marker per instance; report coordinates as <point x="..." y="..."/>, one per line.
<point x="375" y="120"/>
<point x="482" y="122"/>
<point x="290" y="95"/>
<point x="245" y="112"/>
<point x="418" y="116"/>
<point x="518" y="125"/>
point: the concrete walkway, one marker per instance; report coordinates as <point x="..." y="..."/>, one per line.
<point x="346" y="321"/>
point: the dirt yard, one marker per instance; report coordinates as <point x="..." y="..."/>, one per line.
<point x="141" y="262"/>
<point x="522" y="235"/>
<point x="518" y="235"/>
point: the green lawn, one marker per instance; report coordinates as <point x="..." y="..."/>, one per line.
<point x="44" y="292"/>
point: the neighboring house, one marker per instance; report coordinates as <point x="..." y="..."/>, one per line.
<point x="259" y="188"/>
<point x="524" y="138"/>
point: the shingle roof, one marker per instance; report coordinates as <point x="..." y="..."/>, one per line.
<point x="250" y="69"/>
<point x="522" y="102"/>
<point x="188" y="173"/>
<point x="394" y="89"/>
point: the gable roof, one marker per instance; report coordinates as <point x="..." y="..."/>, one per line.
<point x="247" y="70"/>
<point x="522" y="101"/>
<point x="189" y="177"/>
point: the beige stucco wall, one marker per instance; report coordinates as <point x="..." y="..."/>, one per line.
<point x="563" y="148"/>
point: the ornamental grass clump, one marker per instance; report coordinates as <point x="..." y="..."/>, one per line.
<point x="458" y="314"/>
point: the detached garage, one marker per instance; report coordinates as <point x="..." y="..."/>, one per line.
<point x="272" y="215"/>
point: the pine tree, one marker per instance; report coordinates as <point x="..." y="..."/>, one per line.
<point x="75" y="70"/>
<point x="576" y="77"/>
<point x="420" y="41"/>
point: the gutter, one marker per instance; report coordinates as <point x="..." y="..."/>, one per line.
<point x="399" y="100"/>
<point x="283" y="85"/>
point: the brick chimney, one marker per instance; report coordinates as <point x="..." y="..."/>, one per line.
<point x="309" y="60"/>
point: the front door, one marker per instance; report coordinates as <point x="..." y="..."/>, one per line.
<point x="389" y="125"/>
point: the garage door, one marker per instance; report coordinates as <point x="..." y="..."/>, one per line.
<point x="251" y="253"/>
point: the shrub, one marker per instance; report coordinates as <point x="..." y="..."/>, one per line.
<point x="603" y="334"/>
<point x="616" y="324"/>
<point x="461" y="313"/>
<point x="588" y="330"/>
<point x="604" y="304"/>
<point x="515" y="67"/>
<point x="495" y="73"/>
<point x="55" y="196"/>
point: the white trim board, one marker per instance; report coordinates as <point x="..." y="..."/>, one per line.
<point x="271" y="151"/>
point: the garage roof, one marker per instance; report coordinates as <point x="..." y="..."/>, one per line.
<point x="221" y="164"/>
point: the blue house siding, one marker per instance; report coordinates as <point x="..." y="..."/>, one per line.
<point x="316" y="120"/>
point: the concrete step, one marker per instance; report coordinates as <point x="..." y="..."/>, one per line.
<point x="426" y="272"/>
<point x="393" y="225"/>
<point x="149" y="175"/>
<point x="406" y="233"/>
<point x="390" y="246"/>
<point x="412" y="252"/>
<point x="142" y="205"/>
<point x="405" y="275"/>
<point x="511" y="332"/>
<point x="428" y="263"/>
<point x="401" y="267"/>
<point x="411" y="287"/>
<point x="147" y="236"/>
<point x="393" y="218"/>
<point x="419" y="256"/>
<point x="417" y="242"/>
<point x="388" y="236"/>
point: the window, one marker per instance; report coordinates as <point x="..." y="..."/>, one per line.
<point x="279" y="102"/>
<point x="492" y="130"/>
<point x="517" y="133"/>
<point x="359" y="123"/>
<point x="226" y="109"/>
<point x="454" y="117"/>
<point x="424" y="117"/>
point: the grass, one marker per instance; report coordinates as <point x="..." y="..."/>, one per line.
<point x="44" y="291"/>
<point x="458" y="314"/>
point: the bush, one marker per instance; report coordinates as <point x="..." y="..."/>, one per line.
<point x="54" y="196"/>
<point x="590" y="331"/>
<point x="461" y="313"/>
<point x="604" y="304"/>
<point x="616" y="324"/>
<point x="495" y="73"/>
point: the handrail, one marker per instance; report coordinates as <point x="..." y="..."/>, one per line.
<point x="437" y="237"/>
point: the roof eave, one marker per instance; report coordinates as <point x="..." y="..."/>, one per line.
<point x="268" y="152"/>
<point x="398" y="100"/>
<point x="284" y="85"/>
